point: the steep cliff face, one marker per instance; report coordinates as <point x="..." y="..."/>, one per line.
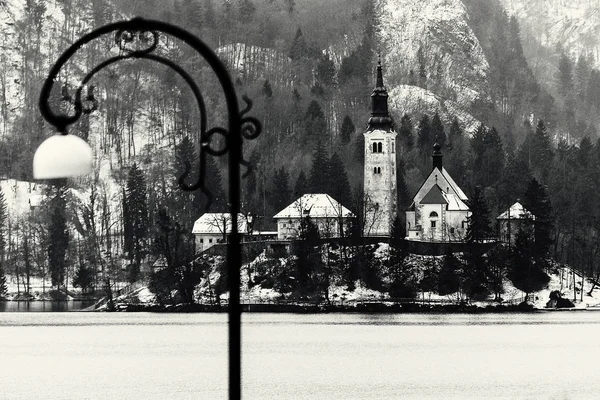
<point x="429" y="44"/>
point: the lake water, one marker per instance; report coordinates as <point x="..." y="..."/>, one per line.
<point x="44" y="306"/>
<point x="552" y="355"/>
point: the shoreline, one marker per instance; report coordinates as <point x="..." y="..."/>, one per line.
<point x="370" y="308"/>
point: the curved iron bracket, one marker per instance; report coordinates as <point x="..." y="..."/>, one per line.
<point x="139" y="38"/>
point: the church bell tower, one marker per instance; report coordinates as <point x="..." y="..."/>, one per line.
<point x="379" y="179"/>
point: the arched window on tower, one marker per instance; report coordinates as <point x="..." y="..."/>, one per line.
<point x="433" y="214"/>
<point x="374" y="170"/>
<point x="378" y="170"/>
<point x="379" y="147"/>
<point x="393" y="147"/>
<point x="374" y="147"/>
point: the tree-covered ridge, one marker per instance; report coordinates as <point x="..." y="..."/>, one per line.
<point x="308" y="66"/>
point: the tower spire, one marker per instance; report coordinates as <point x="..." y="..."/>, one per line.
<point x="379" y="82"/>
<point x="380" y="117"/>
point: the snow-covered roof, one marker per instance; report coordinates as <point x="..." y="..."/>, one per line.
<point x="445" y="182"/>
<point x="455" y="203"/>
<point x="216" y="223"/>
<point x="516" y="211"/>
<point x="315" y="205"/>
<point x="457" y="189"/>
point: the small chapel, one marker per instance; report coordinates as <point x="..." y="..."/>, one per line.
<point x="439" y="210"/>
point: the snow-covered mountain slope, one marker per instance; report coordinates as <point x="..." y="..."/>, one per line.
<point x="574" y="25"/>
<point x="408" y="98"/>
<point x="433" y="36"/>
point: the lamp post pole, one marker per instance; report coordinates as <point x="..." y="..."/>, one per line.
<point x="66" y="155"/>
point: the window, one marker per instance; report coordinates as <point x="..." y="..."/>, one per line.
<point x="451" y="230"/>
<point x="201" y="240"/>
<point x="464" y="223"/>
<point x="283" y="225"/>
<point x="377" y="170"/>
<point x="393" y="147"/>
<point x="377" y="147"/>
<point x="209" y="240"/>
<point x="433" y="224"/>
<point x="374" y="170"/>
<point x="433" y="214"/>
<point x="409" y="225"/>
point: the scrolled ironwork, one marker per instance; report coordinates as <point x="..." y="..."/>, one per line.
<point x="136" y="41"/>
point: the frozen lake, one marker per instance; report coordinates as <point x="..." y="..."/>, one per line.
<point x="552" y="355"/>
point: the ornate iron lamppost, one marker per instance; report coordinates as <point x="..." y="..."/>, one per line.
<point x="65" y="155"/>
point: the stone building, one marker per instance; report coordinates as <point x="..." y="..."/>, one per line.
<point x="380" y="201"/>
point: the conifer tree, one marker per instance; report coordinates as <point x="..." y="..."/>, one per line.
<point x="83" y="278"/>
<point x="347" y="130"/>
<point x="319" y="171"/>
<point x="581" y="77"/>
<point x="281" y="196"/>
<point x="454" y="133"/>
<point x="325" y="71"/>
<point x="250" y="196"/>
<point x="405" y="133"/>
<point x="540" y="151"/>
<point x="449" y="275"/>
<point x="186" y="205"/>
<point x="308" y="263"/>
<point x="564" y="76"/>
<point x="58" y="235"/>
<point x="299" y="47"/>
<point x="537" y="201"/>
<point x="475" y="279"/>
<point x="493" y="159"/>
<point x="214" y="185"/>
<point x="135" y="220"/>
<point x="478" y="228"/>
<point x="525" y="273"/>
<point x="315" y="125"/>
<point x="477" y="147"/>
<point x="267" y="90"/>
<point x="437" y="130"/>
<point x="339" y="187"/>
<point x="302" y="186"/>
<point x="425" y="139"/>
<point x="402" y="276"/>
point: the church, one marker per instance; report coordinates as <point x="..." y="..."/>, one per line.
<point x="438" y="212"/>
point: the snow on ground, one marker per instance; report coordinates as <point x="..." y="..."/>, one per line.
<point x="20" y="196"/>
<point x="408" y="99"/>
<point x="563" y="282"/>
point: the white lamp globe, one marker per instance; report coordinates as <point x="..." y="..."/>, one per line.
<point x="62" y="156"/>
